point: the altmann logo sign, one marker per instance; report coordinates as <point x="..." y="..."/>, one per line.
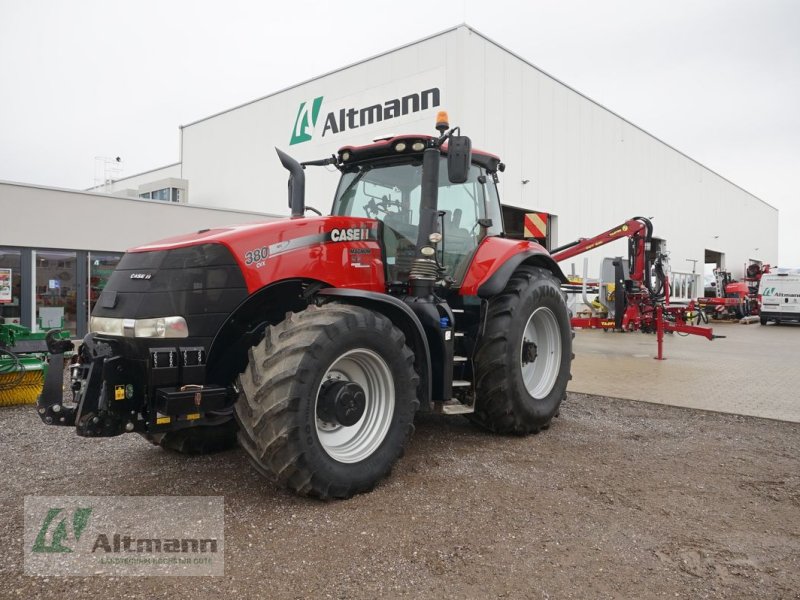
<point x="124" y="535"/>
<point x="337" y="121"/>
<point x="306" y="121"/>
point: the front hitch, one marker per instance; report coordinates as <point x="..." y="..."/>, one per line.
<point x="50" y="404"/>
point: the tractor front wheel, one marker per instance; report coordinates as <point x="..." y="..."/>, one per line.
<point x="523" y="358"/>
<point x="328" y="400"/>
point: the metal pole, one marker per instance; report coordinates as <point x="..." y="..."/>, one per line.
<point x="660" y="332"/>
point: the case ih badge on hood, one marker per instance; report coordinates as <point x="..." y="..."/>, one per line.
<point x="266" y="333"/>
<point x="349" y="235"/>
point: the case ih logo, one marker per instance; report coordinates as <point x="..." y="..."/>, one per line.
<point x="349" y="235"/>
<point x="305" y="124"/>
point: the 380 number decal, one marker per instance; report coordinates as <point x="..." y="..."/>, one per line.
<point x="255" y="255"/>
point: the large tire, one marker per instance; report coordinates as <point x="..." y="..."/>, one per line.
<point x="206" y="439"/>
<point x="280" y="427"/>
<point x="520" y="385"/>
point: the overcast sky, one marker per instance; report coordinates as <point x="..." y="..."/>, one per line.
<point x="717" y="79"/>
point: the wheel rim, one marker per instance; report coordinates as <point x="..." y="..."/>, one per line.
<point x="359" y="441"/>
<point x="540" y="352"/>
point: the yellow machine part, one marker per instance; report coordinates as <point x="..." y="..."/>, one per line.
<point x="26" y="391"/>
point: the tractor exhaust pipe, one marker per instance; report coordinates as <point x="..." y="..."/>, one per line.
<point x="429" y="197"/>
<point x="297" y="184"/>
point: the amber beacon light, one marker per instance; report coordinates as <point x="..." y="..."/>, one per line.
<point x="442" y="121"/>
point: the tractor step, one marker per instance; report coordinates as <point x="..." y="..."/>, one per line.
<point x="459" y="359"/>
<point x="461" y="383"/>
<point x="454" y="407"/>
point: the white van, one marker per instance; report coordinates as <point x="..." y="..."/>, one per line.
<point x="779" y="294"/>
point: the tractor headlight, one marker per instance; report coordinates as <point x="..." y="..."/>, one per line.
<point x="106" y="325"/>
<point x="160" y="327"/>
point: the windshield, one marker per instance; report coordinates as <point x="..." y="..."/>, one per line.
<point x="391" y="194"/>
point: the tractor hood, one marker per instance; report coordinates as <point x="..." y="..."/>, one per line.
<point x="270" y="232"/>
<point x="339" y="251"/>
<point x="204" y="276"/>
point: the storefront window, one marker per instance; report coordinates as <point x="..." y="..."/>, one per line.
<point x="56" y="290"/>
<point x="10" y="285"/>
<point x="100" y="268"/>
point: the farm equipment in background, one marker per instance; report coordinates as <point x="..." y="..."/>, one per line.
<point x="641" y="291"/>
<point x="23" y="363"/>
<point x="734" y="299"/>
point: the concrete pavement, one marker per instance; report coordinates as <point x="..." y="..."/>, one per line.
<point x="754" y="371"/>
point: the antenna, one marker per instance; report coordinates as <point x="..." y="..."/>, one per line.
<point x="106" y="170"/>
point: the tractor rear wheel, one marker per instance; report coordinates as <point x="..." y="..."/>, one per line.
<point x="328" y="400"/>
<point x="523" y="358"/>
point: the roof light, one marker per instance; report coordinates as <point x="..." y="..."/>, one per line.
<point x="442" y="121"/>
<point x="345" y="156"/>
<point x="400" y="146"/>
<point x="418" y="146"/>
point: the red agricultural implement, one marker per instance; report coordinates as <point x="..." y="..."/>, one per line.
<point x="732" y="299"/>
<point x="641" y="290"/>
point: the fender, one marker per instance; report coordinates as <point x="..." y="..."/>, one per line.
<point x="227" y="354"/>
<point x="402" y="317"/>
<point x="495" y="261"/>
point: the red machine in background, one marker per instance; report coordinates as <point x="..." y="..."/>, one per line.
<point x="732" y="299"/>
<point x="641" y="297"/>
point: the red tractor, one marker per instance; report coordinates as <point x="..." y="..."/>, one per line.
<point x="732" y="299"/>
<point x="315" y="340"/>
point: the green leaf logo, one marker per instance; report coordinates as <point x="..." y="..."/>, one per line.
<point x="80" y="519"/>
<point x="305" y="121"/>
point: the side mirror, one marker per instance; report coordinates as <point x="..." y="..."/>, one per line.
<point x="459" y="158"/>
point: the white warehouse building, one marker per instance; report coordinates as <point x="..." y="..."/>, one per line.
<point x="581" y="167"/>
<point x="566" y="155"/>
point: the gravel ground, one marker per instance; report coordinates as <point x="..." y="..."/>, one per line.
<point x="618" y="499"/>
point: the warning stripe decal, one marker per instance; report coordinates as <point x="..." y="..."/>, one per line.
<point x="535" y="225"/>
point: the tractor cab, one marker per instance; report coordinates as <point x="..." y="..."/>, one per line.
<point x="383" y="181"/>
